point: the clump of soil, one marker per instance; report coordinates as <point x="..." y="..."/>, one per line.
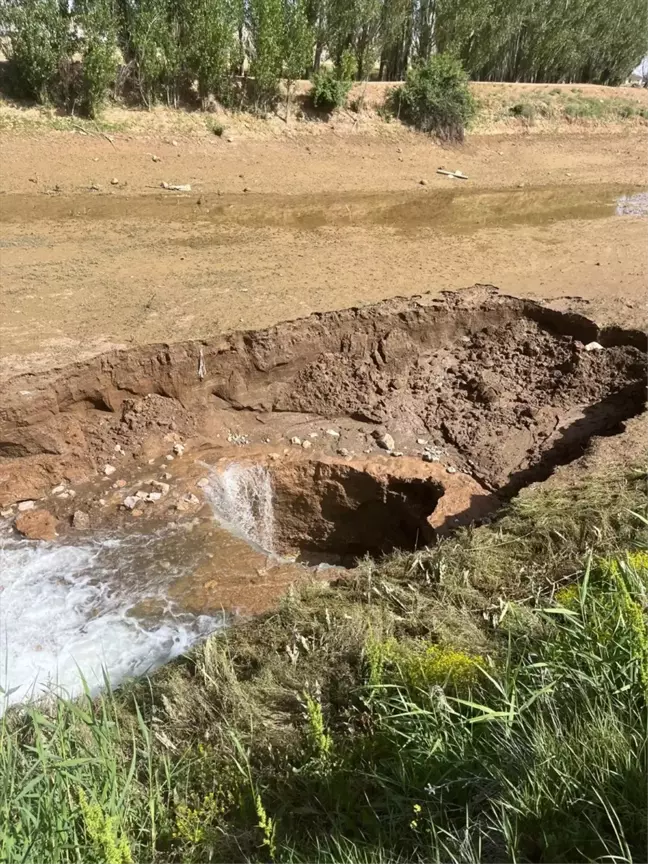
<point x="497" y="395"/>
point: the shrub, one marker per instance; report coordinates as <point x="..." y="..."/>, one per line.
<point x="39" y="44"/>
<point x="523" y="109"/>
<point x="331" y="86"/>
<point x="588" y="109"/>
<point x="435" y="98"/>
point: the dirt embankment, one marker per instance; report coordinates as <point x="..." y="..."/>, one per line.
<point x="497" y="388"/>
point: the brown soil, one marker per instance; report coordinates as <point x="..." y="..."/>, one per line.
<point x="505" y="389"/>
<point x="331" y="509"/>
<point x="330" y="221"/>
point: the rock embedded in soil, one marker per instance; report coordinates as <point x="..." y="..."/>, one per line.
<point x="384" y="440"/>
<point x="36" y="525"/>
<point x="24" y="506"/>
<point x="80" y="520"/>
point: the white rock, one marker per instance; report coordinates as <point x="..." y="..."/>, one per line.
<point x="151" y="461"/>
<point x="167" y="476"/>
<point x="141" y="494"/>
<point x="191" y="498"/>
<point x="451" y="469"/>
<point x="163" y="487"/>
<point x="421" y="441"/>
<point x="396" y="453"/>
<point x="333" y="433"/>
<point x="109" y="469"/>
<point x="594" y="346"/>
<point x="119" y="448"/>
<point x="58" y="489"/>
<point x="342" y="451"/>
<point x="204" y="481"/>
<point x="296" y="441"/>
<point x="169" y="458"/>
<point x="23" y="506"/>
<point x="130" y="502"/>
<point x="306" y="445"/>
<point x="178" y="449"/>
<point x="313" y="435"/>
<point x="6" y="513"/>
<point x="385" y="441"/>
<point x="154" y="496"/>
<point x="81" y="520"/>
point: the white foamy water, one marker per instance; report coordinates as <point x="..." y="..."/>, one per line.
<point x="72" y="610"/>
<point x="242" y="499"/>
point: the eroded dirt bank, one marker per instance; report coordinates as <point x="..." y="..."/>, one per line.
<point x="432" y="405"/>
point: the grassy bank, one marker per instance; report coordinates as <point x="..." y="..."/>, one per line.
<point x="481" y="700"/>
<point x="499" y="108"/>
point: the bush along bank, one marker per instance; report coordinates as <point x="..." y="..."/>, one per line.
<point x="483" y="699"/>
<point x="146" y="51"/>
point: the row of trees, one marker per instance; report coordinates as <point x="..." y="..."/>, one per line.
<point x="73" y="50"/>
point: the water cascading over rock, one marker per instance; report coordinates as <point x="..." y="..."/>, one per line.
<point x="242" y="498"/>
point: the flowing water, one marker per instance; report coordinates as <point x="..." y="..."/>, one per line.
<point x="118" y="606"/>
<point x="241" y="496"/>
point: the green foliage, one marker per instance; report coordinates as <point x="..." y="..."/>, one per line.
<point x="176" y="51"/>
<point x="151" y="44"/>
<point x="435" y="98"/>
<point x="267" y="37"/>
<point x="99" y="53"/>
<point x="331" y="87"/>
<point x="319" y="740"/>
<point x="105" y="844"/>
<point x="523" y="109"/>
<point x="544" y="41"/>
<point x="298" y="44"/>
<point x="39" y="43"/>
<point x="208" y="34"/>
<point x="484" y="699"/>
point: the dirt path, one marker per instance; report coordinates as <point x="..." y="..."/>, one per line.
<point x="327" y="222"/>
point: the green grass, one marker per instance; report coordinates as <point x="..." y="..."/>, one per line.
<point x="558" y="104"/>
<point x="482" y="700"/>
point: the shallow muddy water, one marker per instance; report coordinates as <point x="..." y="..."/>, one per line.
<point x="456" y="210"/>
<point x="118" y="604"/>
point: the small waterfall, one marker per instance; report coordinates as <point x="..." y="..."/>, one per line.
<point x="241" y="496"/>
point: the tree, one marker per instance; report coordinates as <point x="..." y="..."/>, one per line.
<point x="298" y="45"/>
<point x="209" y="34"/>
<point x="267" y="37"/>
<point x="99" y="51"/>
<point x="39" y="42"/>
